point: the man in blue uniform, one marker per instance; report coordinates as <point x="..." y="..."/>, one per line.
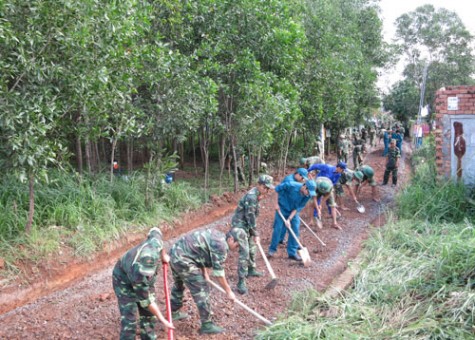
<point x="292" y="198"/>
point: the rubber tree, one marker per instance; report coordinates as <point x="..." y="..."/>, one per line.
<point x="31" y="103"/>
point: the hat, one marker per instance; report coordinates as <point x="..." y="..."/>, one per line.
<point x="324" y="185"/>
<point x="359" y="175"/>
<point x="341" y="165"/>
<point x="303" y="161"/>
<point x="302" y="172"/>
<point x="232" y="232"/>
<point x="148" y="261"/>
<point x="311" y="186"/>
<point x="267" y="181"/>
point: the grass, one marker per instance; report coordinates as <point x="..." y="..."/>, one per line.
<point x="417" y="279"/>
<point x="84" y="213"/>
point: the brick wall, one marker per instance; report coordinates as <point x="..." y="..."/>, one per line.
<point x="451" y="102"/>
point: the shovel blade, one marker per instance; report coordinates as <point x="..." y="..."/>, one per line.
<point x="271" y="285"/>
<point x="304" y="254"/>
<point x="361" y="209"/>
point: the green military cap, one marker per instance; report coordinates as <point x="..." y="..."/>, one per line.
<point x="267" y="181"/>
<point x="358" y="175"/>
<point x="148" y="261"/>
<point x="324" y="186"/>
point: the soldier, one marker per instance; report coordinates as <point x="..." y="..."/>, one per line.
<point x="189" y="258"/>
<point x="243" y="225"/>
<point x="306" y="162"/>
<point x="363" y="176"/>
<point x="324" y="193"/>
<point x="392" y="163"/>
<point x="346" y="179"/>
<point x="133" y="279"/>
<point x="372" y="134"/>
<point x="292" y="198"/>
<point x="358" y="149"/>
<point x="319" y="148"/>
<point x="343" y="148"/>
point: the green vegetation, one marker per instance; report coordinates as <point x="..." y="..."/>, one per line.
<point x="417" y="279"/>
<point x="81" y="213"/>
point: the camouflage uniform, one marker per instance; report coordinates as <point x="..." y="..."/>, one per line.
<point x="244" y="225"/>
<point x="345" y="179"/>
<point x="366" y="170"/>
<point x="393" y="155"/>
<point x="135" y="288"/>
<point x="358" y="151"/>
<point x="320" y="195"/>
<point x="372" y="134"/>
<point x="343" y="148"/>
<point x="188" y="256"/>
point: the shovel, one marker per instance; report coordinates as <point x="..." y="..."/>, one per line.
<point x="257" y="315"/>
<point x="313" y="233"/>
<point x="303" y="252"/>
<point x="360" y="207"/>
<point x="167" y="299"/>
<point x="273" y="283"/>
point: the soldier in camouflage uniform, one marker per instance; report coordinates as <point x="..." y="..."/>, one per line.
<point x="364" y="176"/>
<point x="392" y="163"/>
<point x="243" y="224"/>
<point x="189" y="258"/>
<point x="324" y="193"/>
<point x="306" y="162"/>
<point x="133" y="279"/>
<point x="343" y="148"/>
<point x="346" y="179"/>
<point x="358" y="149"/>
<point x="372" y="134"/>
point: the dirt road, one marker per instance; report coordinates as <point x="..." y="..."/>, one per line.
<point x="88" y="309"/>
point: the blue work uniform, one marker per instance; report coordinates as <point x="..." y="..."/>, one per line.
<point x="289" y="199"/>
<point x="386" y="143"/>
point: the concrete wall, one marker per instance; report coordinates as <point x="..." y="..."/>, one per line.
<point x="455" y="133"/>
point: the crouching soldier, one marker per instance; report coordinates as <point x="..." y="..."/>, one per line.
<point x="133" y="279"/>
<point x="189" y="258"/>
<point x="243" y="225"/>
<point x="365" y="176"/>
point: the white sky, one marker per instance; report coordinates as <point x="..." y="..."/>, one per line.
<point x="392" y="9"/>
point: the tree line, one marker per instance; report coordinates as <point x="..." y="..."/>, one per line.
<point x="84" y="81"/>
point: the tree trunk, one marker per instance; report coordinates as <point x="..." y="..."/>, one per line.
<point x="235" y="163"/>
<point x="79" y="154"/>
<point x="222" y="158"/>
<point x="87" y="149"/>
<point x="98" y="157"/>
<point x="31" y="210"/>
<point x="114" y="143"/>
<point x="130" y="155"/>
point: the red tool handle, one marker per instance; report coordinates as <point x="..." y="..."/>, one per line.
<point x="167" y="299"/>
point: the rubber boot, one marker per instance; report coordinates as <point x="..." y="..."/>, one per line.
<point x="253" y="272"/>
<point x="177" y="315"/>
<point x="209" y="327"/>
<point x="241" y="287"/>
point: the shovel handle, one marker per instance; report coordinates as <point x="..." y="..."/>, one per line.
<point x="290" y="229"/>
<point x="313" y="233"/>
<point x="167" y="299"/>
<point x="257" y="315"/>
<point x="269" y="268"/>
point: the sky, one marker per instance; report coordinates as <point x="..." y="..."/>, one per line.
<point x="392" y="9"/>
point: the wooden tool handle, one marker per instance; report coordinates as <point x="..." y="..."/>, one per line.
<point x="167" y="299"/>
<point x="290" y="229"/>
<point x="269" y="268"/>
<point x="313" y="233"/>
<point x="257" y="315"/>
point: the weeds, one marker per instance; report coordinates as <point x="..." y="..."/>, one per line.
<point x="83" y="213"/>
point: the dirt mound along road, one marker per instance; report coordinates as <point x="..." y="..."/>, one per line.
<point x="88" y="308"/>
